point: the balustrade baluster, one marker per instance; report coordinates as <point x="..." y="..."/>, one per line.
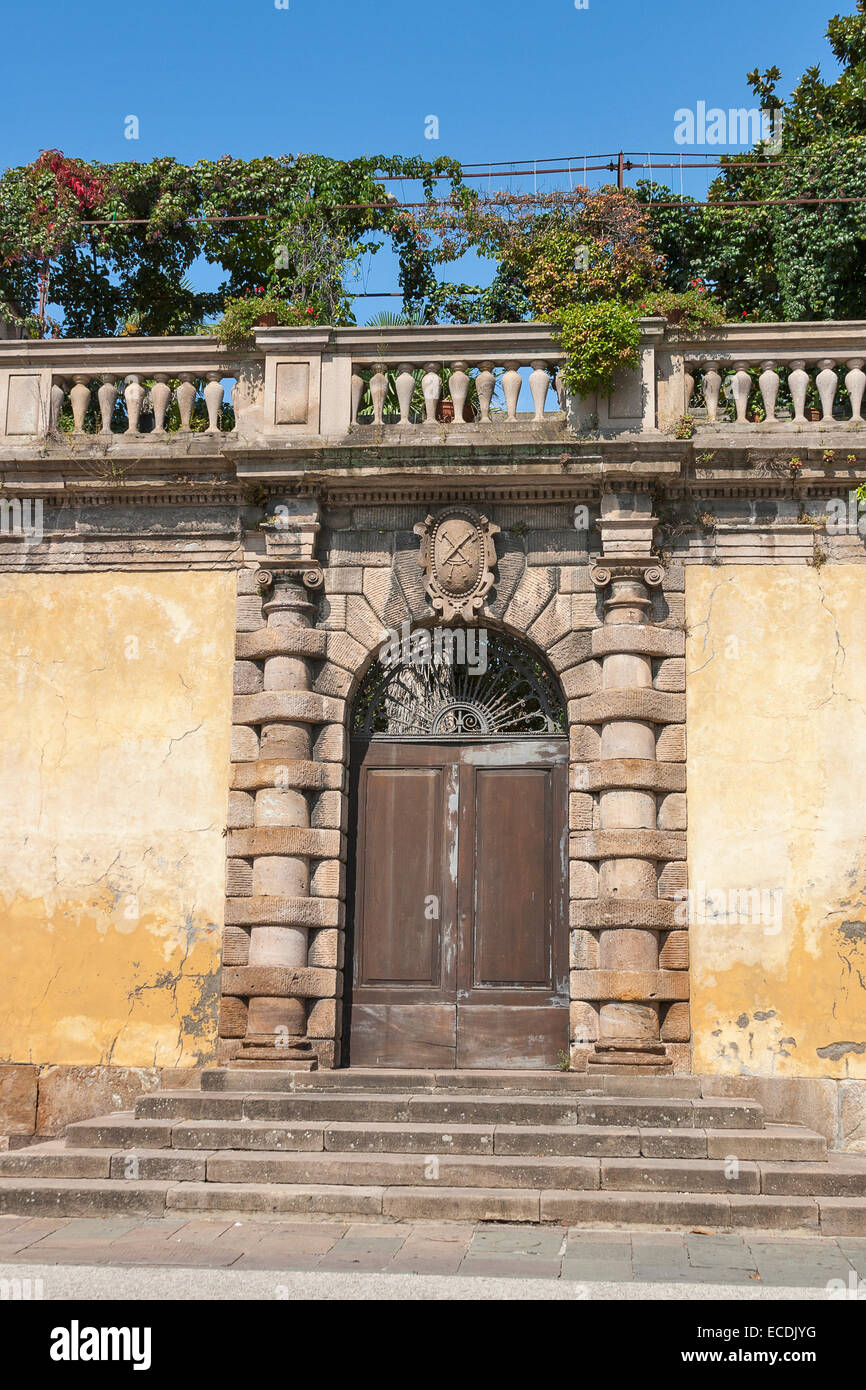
<point x="133" y="394"/>
<point x="379" y="390"/>
<point x="458" y="388"/>
<point x="485" y="385"/>
<point x="213" y="399"/>
<point x="357" y="393"/>
<point x="107" y="396"/>
<point x="511" y="384"/>
<point x="160" y="399"/>
<point x="58" y="397"/>
<point x="741" y="388"/>
<point x="539" y="385"/>
<point x="688" y="390"/>
<point x="712" y="388"/>
<point x="769" y="383"/>
<point x="405" y="390"/>
<point x="431" y="385"/>
<point x="798" y="385"/>
<point x="827" y="382"/>
<point x="185" y="396"/>
<point x="80" y="399"/>
<point x="855" y="382"/>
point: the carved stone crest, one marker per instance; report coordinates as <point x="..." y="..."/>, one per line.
<point x="458" y="558"/>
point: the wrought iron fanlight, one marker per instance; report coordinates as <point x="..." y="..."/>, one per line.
<point x="441" y="699"/>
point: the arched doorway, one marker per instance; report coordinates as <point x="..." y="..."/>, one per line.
<point x="458" y="875"/>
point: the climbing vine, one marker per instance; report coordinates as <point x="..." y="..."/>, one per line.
<point x="100" y="249"/>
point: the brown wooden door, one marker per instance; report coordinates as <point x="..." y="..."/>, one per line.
<point x="458" y="934"/>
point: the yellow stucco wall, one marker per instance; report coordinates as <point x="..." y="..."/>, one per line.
<point x="776" y="663"/>
<point x="115" y="700"/>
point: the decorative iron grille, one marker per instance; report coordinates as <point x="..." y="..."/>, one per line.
<point x="515" y="696"/>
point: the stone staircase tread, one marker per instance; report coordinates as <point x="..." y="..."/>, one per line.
<point x="538" y="1140"/>
<point x="65" y="1197"/>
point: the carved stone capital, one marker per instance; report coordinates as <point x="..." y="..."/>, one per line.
<point x="606" y="569"/>
<point x="306" y="572"/>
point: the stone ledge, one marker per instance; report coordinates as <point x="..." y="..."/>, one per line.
<point x="647" y="705"/>
<point x="289" y="775"/>
<point x="287" y="912"/>
<point x="279" y="982"/>
<point x="598" y="913"/>
<point x="636" y="774"/>
<point x="297" y="706"/>
<point x="630" y="986"/>
<point x="285" y="840"/>
<point x="637" y="640"/>
<point x="622" y="844"/>
<point x="280" y="641"/>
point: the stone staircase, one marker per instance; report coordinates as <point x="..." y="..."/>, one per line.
<point x="446" y="1146"/>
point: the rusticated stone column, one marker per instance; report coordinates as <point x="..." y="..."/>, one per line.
<point x="628" y="986"/>
<point x="277" y="837"/>
<point x="277" y="1023"/>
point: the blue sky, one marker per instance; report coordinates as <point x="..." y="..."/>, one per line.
<point x="506" y="80"/>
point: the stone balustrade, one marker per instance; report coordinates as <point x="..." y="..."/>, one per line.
<point x="790" y="374"/>
<point x="454" y="390"/>
<point x="140" y="396"/>
<point x="145" y="388"/>
<point x="457" y="383"/>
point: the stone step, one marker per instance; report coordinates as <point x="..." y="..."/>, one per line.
<point x="55" y="1160"/>
<point x="372" y="1080"/>
<point x="841" y="1177"/>
<point x="158" y="1165"/>
<point x="27" y="1196"/>
<point x="62" y="1197"/>
<point x="607" y="1111"/>
<point x="122" y="1131"/>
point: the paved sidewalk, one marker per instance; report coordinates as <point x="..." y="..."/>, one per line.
<point x="483" y="1251"/>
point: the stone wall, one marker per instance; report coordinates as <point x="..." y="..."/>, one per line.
<point x="113" y="785"/>
<point x="777" y="746"/>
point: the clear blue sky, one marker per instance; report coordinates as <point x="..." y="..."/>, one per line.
<point x="507" y="79"/>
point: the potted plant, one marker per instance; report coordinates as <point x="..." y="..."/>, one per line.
<point x="243" y="314"/>
<point x="692" y="310"/>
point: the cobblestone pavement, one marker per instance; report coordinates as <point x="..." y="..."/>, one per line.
<point x="485" y="1250"/>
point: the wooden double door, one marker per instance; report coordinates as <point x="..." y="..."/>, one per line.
<point x="458" y="933"/>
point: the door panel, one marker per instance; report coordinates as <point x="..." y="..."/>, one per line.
<point x="402" y="859"/>
<point x="511" y="889"/>
<point x="512" y="971"/>
<point x="509" y="1038"/>
<point x="404" y="1035"/>
<point x="458" y="910"/>
<point x="402" y="1010"/>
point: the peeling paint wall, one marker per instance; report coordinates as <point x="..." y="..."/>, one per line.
<point x="115" y="715"/>
<point x="776" y="663"/>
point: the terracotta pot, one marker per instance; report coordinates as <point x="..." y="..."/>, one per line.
<point x="445" y="411"/>
<point x="267" y="321"/>
<point x="813" y="413"/>
<point x="675" y="315"/>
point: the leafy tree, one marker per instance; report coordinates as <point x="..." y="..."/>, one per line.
<point x="113" y="244"/>
<point x="792" y="255"/>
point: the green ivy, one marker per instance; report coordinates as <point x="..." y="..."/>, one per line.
<point x="598" y="341"/>
<point x="112" y="245"/>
